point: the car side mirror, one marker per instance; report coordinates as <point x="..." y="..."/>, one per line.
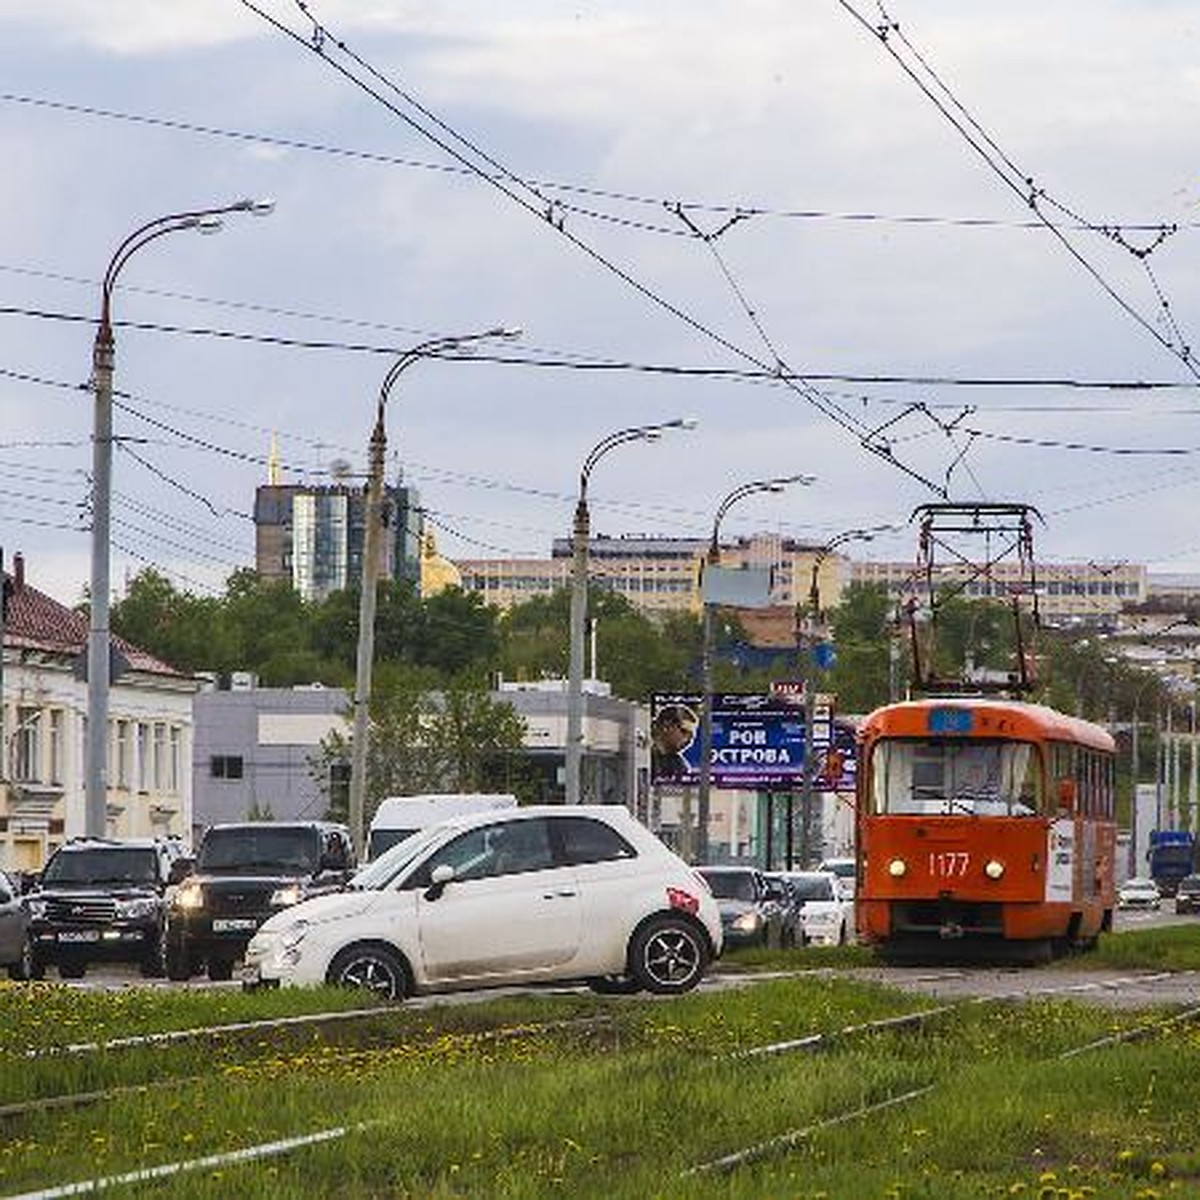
<point x="180" y="869"/>
<point x="442" y="874"/>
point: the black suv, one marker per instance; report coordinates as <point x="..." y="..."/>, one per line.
<point x="101" y="900"/>
<point x="242" y="874"/>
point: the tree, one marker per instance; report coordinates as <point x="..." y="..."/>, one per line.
<point x="183" y="630"/>
<point x="862" y="629"/>
<point x="426" y="738"/>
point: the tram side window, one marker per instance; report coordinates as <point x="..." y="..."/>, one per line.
<point x="1095" y="784"/>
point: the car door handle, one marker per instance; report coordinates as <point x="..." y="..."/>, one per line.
<point x="554" y="895"/>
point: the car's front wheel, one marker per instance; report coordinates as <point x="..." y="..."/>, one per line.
<point x="374" y="968"/>
<point x="25" y="967"/>
<point x="667" y="955"/>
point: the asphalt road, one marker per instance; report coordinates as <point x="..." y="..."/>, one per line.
<point x="1072" y="978"/>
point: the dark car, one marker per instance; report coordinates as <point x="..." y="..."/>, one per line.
<point x="244" y="873"/>
<point x="101" y="900"/>
<point x="1187" y="895"/>
<point x="16" y="956"/>
<point x="791" y="906"/>
<point x="750" y="914"/>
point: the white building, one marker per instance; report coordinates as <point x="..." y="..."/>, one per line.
<point x="42" y="734"/>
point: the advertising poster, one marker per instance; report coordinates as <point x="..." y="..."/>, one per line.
<point x="757" y="743"/>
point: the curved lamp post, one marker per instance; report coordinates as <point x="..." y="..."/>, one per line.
<point x="848" y="535"/>
<point x="203" y="220"/>
<point x="712" y="559"/>
<point x="810" y="698"/>
<point x="371" y="555"/>
<point x="580" y="538"/>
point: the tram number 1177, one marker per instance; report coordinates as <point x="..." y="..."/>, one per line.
<point x="949" y="864"/>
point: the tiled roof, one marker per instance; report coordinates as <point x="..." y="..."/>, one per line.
<point x="38" y="622"/>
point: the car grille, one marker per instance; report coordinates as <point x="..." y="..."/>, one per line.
<point x="238" y="901"/>
<point x="81" y="910"/>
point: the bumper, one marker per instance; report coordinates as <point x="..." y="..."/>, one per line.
<point x="114" y="943"/>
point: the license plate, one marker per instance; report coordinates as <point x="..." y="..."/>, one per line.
<point x="79" y="935"/>
<point x="233" y="924"/>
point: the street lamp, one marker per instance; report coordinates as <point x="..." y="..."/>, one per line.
<point x="580" y="538"/>
<point x="204" y="220"/>
<point x="848" y="535"/>
<point x="810" y="696"/>
<point x="712" y="559"/>
<point x="371" y="554"/>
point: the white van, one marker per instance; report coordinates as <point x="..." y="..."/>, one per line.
<point x="399" y="816"/>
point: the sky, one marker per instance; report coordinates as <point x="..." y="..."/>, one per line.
<point x="922" y="251"/>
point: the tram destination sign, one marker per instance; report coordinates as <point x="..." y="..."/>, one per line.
<point x="757" y="743"/>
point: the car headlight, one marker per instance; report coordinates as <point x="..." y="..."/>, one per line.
<point x="35" y="906"/>
<point x="188" y="896"/>
<point x="746" y="923"/>
<point x="291" y="893"/>
<point x="993" y="868"/>
<point x="897" y="868"/>
<point x="134" y="910"/>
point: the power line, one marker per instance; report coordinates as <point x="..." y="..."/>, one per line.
<point x="564" y="188"/>
<point x="563" y="362"/>
<point x="1021" y="183"/>
<point x="529" y="198"/>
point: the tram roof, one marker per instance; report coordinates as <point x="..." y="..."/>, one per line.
<point x="992" y="717"/>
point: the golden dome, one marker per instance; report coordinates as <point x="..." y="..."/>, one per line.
<point x="437" y="573"/>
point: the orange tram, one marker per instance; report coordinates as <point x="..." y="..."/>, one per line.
<point x="985" y="828"/>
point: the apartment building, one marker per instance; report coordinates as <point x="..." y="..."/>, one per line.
<point x="1066" y="592"/>
<point x="312" y="536"/>
<point x="659" y="574"/>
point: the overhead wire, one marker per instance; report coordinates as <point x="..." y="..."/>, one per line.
<point x="887" y="32"/>
<point x="565" y="188"/>
<point x="535" y="203"/>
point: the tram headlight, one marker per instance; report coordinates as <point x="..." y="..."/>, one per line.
<point x="993" y="868"/>
<point x="897" y="868"/>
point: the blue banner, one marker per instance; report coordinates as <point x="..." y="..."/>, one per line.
<point x="757" y="743"/>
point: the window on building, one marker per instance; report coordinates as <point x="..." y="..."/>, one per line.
<point x="173" y="760"/>
<point x="27" y="745"/>
<point x="124" y="762"/>
<point x="226" y="766"/>
<point x="57" y="750"/>
<point x="143" y="757"/>
<point x="160" y="756"/>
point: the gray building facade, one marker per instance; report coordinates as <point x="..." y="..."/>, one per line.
<point x="253" y="749"/>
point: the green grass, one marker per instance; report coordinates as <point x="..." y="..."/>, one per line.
<point x="582" y="1096"/>
<point x="1165" y="948"/>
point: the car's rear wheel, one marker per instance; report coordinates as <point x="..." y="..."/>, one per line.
<point x="372" y="967"/>
<point x="667" y="955"/>
<point x="220" y="969"/>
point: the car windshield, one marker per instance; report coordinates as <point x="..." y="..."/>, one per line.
<point x="730" y="885"/>
<point x="103" y="864"/>
<point x="259" y="849"/>
<point x="943" y="777"/>
<point x="381" y="871"/>
<point x="813" y="887"/>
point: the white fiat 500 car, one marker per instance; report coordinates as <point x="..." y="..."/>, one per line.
<point x="523" y="895"/>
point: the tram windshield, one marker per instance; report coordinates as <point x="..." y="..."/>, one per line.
<point x="941" y="777"/>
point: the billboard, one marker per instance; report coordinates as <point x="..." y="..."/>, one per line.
<point x="757" y="743"/>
